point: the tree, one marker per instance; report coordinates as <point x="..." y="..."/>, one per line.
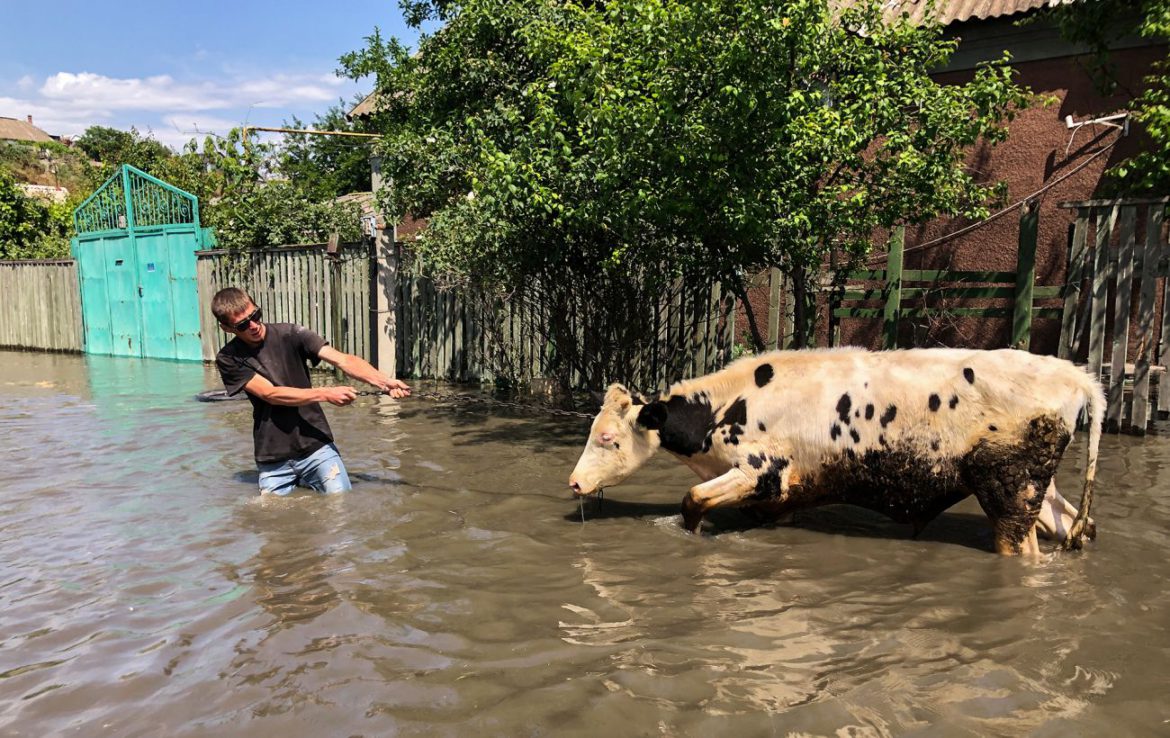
<point x="568" y="139"/>
<point x="245" y="200"/>
<point x="115" y="148"/>
<point x="329" y="166"/>
<point x="29" y="229"/>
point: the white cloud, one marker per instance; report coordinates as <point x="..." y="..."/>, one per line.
<point x="164" y="94"/>
<point x="173" y="110"/>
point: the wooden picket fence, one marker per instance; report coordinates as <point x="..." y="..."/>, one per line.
<point x="460" y="336"/>
<point x="41" y="305"/>
<point x="292" y="284"/>
<point x="1118" y="257"/>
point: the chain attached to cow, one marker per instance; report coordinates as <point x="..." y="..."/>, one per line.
<point x="490" y="401"/>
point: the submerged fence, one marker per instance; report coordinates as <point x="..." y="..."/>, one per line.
<point x="41" y="305"/>
<point x="1117" y="270"/>
<point x="573" y="337"/>
<point x="582" y="337"/>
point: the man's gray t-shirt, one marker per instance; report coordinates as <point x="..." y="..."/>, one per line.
<point x="280" y="432"/>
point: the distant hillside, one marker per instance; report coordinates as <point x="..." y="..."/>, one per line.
<point x="50" y="164"/>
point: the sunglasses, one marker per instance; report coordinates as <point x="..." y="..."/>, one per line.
<point x="253" y="318"/>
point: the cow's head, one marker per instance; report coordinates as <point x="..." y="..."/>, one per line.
<point x="619" y="442"/>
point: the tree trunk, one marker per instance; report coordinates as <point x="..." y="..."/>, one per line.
<point x="740" y="291"/>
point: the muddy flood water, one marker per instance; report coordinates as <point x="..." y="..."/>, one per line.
<point x="146" y="590"/>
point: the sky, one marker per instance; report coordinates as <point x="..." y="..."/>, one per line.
<point x="182" y="70"/>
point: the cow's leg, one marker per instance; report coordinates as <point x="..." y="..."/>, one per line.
<point x="1014" y="517"/>
<point x="1057" y="514"/>
<point x="726" y="489"/>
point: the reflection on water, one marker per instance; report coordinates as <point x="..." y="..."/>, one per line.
<point x="145" y="589"/>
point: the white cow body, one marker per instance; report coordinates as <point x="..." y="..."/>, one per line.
<point x="908" y="433"/>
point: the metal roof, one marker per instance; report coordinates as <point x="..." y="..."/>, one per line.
<point x="948" y="12"/>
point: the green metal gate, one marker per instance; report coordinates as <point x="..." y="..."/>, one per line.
<point x="135" y="250"/>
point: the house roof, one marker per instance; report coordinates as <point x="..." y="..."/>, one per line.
<point x="949" y="12"/>
<point x="13" y="129"/>
<point x="365" y="107"/>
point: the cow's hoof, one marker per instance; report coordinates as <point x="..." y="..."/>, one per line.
<point x="692" y="515"/>
<point x="1091" y="530"/>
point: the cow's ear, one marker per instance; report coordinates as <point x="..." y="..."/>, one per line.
<point x="652" y="416"/>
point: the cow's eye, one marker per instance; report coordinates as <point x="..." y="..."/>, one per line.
<point x="605" y="439"/>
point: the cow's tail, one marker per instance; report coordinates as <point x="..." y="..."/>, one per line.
<point x="1094" y="397"/>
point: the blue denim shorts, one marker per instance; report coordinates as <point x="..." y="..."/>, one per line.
<point x="323" y="470"/>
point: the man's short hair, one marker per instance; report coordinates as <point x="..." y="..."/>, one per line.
<point x="228" y="302"/>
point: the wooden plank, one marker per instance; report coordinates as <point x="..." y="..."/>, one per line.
<point x="1025" y="277"/>
<point x="942" y="292"/>
<point x="1077" y="259"/>
<point x="1099" y="297"/>
<point x="891" y="313"/>
<point x="1112" y="203"/>
<point x="1140" y="414"/>
<point x="714" y="308"/>
<point x="959" y="276"/>
<point x="868" y="275"/>
<point x="774" y="308"/>
<point x="1123" y="294"/>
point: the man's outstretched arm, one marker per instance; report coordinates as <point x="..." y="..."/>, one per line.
<point x="363" y="371"/>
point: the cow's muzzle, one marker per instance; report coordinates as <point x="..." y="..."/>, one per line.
<point x="581" y="489"/>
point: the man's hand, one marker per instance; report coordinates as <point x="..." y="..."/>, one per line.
<point x="339" y="396"/>
<point x="396" y="388"/>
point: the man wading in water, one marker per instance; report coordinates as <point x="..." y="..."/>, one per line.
<point x="293" y="442"/>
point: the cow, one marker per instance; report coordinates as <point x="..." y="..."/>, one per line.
<point x="906" y="433"/>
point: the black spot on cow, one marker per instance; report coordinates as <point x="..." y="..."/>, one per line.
<point x="934" y="445"/>
<point x="869" y="411"/>
<point x="934" y="403"/>
<point x="843" y="406"/>
<point x="764" y="374"/>
<point x="685" y="424"/>
<point x="857" y="413"/>
<point x="768" y="483"/>
<point x="616" y="445"/>
<point x="954" y="402"/>
<point x="762" y="428"/>
<point x="969" y="375"/>
<point x="889" y="415"/>
<point x="755" y="461"/>
<point x="882" y="441"/>
<point x="992" y="428"/>
<point x="835" y="432"/>
<point x="735" y="419"/>
<point x="855" y="435"/>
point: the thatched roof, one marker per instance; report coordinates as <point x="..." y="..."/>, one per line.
<point x="14" y="129"/>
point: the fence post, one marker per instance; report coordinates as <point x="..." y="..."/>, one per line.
<point x="333" y="257"/>
<point x="774" y="341"/>
<point x="1025" y="277"/>
<point x="893" y="308"/>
